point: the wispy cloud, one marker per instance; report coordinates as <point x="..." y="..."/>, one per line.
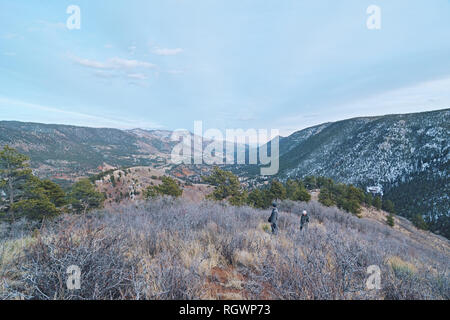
<point x="112" y="63"/>
<point x="118" y="68"/>
<point x="124" y="63"/>
<point x="138" y="76"/>
<point x="90" y="63"/>
<point x="42" y="113"/>
<point x="105" y="74"/>
<point x="166" y="51"/>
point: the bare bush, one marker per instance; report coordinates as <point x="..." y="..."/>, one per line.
<point x="169" y="249"/>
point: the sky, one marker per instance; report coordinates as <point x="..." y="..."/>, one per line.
<point x="271" y="64"/>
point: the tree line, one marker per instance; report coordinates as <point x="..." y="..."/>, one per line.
<point x="22" y="194"/>
<point x="344" y="196"/>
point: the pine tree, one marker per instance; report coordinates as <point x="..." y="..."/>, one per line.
<point x="35" y="203"/>
<point x="256" y="199"/>
<point x="303" y="195"/>
<point x="14" y="173"/>
<point x="326" y="197"/>
<point x="227" y="186"/>
<point x="168" y="187"/>
<point x="419" y="222"/>
<point x="277" y="190"/>
<point x="84" y="197"/>
<point x="310" y="182"/>
<point x="368" y="199"/>
<point x="377" y="203"/>
<point x="390" y="220"/>
<point x="54" y="193"/>
<point x="388" y="206"/>
<point x="239" y="199"/>
<point x="292" y="188"/>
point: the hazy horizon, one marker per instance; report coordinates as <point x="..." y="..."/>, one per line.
<point x="171" y="130"/>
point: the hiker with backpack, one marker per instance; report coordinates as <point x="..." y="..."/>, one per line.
<point x="274" y="218"/>
<point x="304" y="221"/>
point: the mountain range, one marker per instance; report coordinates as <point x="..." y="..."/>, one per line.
<point x="407" y="155"/>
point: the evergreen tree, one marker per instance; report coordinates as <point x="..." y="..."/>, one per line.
<point x="388" y="206"/>
<point x="350" y="205"/>
<point x="419" y="222"/>
<point x="54" y="193"/>
<point x="14" y="174"/>
<point x="310" y="182"/>
<point x="355" y="193"/>
<point x="239" y="199"/>
<point x="377" y="202"/>
<point x="292" y="189"/>
<point x="84" y="197"/>
<point x="227" y="186"/>
<point x="277" y="190"/>
<point x="368" y="199"/>
<point x="35" y="202"/>
<point x="346" y="197"/>
<point x="326" y="197"/>
<point x="267" y="197"/>
<point x="256" y="199"/>
<point x="324" y="182"/>
<point x="302" y="195"/>
<point x="169" y="187"/>
<point x="151" y="192"/>
<point x="390" y="220"/>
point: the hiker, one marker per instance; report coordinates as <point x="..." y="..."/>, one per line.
<point x="274" y="218"/>
<point x="304" y="221"/>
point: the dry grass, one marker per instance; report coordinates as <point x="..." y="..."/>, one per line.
<point x="170" y="249"/>
<point x="398" y="265"/>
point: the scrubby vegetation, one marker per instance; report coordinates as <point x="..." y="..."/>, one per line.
<point x="344" y="196"/>
<point x="83" y="197"/>
<point x="229" y="188"/>
<point x="168" y="187"/>
<point x="23" y="195"/>
<point x="169" y="249"/>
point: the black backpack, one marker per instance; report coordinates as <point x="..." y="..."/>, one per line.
<point x="271" y="215"/>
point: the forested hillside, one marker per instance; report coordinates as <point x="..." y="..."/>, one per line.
<point x="407" y="154"/>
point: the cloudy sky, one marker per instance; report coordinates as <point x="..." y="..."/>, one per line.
<point x="232" y="64"/>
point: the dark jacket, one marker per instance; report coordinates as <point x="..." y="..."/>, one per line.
<point x="274" y="216"/>
<point x="304" y="219"/>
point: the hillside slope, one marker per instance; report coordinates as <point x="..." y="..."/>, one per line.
<point x="407" y="154"/>
<point x="122" y="186"/>
<point x="171" y="249"/>
<point x="67" y="152"/>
